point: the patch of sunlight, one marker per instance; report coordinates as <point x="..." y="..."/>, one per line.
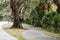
<point x="53" y="7"/>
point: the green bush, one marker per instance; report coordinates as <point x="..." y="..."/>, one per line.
<point x="1" y="18"/>
<point x="52" y="19"/>
<point x="27" y="21"/>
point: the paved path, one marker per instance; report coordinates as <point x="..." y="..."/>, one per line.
<point x="33" y="34"/>
<point x="3" y="34"/>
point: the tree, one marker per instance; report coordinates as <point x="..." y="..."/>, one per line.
<point x="40" y="10"/>
<point x="57" y="2"/>
<point x="17" y="7"/>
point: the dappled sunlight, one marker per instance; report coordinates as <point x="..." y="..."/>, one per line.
<point x="29" y="19"/>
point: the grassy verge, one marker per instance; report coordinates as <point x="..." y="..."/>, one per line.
<point x="14" y="32"/>
<point x="52" y="34"/>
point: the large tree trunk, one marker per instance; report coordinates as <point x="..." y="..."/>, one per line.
<point x="17" y="14"/>
<point x="17" y="23"/>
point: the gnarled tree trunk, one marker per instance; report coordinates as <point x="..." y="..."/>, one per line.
<point x="17" y="13"/>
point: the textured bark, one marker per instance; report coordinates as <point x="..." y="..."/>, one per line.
<point x="17" y="13"/>
<point x="49" y="6"/>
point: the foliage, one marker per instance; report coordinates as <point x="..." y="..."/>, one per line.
<point x="52" y="19"/>
<point x="49" y="20"/>
<point x="35" y="14"/>
<point x="3" y="4"/>
<point x="1" y="17"/>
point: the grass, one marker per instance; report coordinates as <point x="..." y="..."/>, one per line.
<point x="14" y="32"/>
<point x="52" y="34"/>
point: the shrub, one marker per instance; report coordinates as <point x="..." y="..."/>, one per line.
<point x="52" y="19"/>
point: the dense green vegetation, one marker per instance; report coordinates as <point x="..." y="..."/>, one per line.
<point x="37" y="16"/>
<point x="49" y="20"/>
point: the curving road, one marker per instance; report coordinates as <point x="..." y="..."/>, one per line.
<point x="3" y="34"/>
<point x="33" y="34"/>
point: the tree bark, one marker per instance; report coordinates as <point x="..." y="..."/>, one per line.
<point x="17" y="14"/>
